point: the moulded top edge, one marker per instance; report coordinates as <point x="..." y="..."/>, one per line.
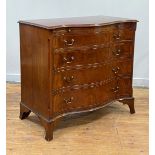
<point x="76" y="22"/>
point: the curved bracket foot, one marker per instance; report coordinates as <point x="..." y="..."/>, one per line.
<point x="24" y="112"/>
<point x="130" y="103"/>
<point x="48" y="129"/>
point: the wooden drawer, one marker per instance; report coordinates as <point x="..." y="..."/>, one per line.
<point x="123" y="35"/>
<point x="96" y="72"/>
<point x="75" y="37"/>
<point x="122" y="88"/>
<point x="80" y="57"/>
<point x="93" y="55"/>
<point x="124" y="31"/>
<point x="76" y="40"/>
<point x="122" y="67"/>
<point x="122" y="50"/>
<point x="84" y="98"/>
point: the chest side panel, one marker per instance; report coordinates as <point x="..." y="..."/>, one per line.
<point x="35" y="69"/>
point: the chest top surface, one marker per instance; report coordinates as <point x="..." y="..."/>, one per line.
<point x="88" y="21"/>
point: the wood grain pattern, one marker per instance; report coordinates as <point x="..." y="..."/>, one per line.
<point x="35" y="68"/>
<point x="76" y="40"/>
<point x="113" y="129"/>
<point x="92" y="54"/>
<point x="75" y="75"/>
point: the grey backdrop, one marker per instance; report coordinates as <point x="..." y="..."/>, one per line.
<point x="38" y="9"/>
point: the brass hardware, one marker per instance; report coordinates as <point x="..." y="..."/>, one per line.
<point x="69" y="79"/>
<point x="94" y="47"/>
<point x="68" y="60"/>
<point x="115" y="89"/>
<point x="92" y="86"/>
<point x="117" y="36"/>
<point x="69" y="43"/>
<point x="68" y="100"/>
<point x="117" y="52"/>
<point x="69" y="30"/>
<point x="116" y="70"/>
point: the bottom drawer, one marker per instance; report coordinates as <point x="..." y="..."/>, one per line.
<point x="88" y="98"/>
<point x="83" y="99"/>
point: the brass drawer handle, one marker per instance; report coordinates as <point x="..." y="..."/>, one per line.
<point x="69" y="43"/>
<point x="68" y="79"/>
<point x="116" y="70"/>
<point x="68" y="30"/>
<point x="117" y="36"/>
<point x="115" y="89"/>
<point x="117" y="52"/>
<point x="95" y="47"/>
<point x="68" y="60"/>
<point x="68" y="100"/>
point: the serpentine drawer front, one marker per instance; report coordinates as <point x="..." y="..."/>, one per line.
<point x="75" y="65"/>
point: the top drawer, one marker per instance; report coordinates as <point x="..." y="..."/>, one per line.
<point x="75" y="40"/>
<point x="124" y="32"/>
<point x="76" y="37"/>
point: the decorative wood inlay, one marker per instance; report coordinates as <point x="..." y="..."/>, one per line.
<point x="95" y="32"/>
<point x="88" y="66"/>
<point x="85" y="48"/>
<point x="80" y="48"/>
<point x="82" y="86"/>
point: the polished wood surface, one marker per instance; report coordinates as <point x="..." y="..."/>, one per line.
<point x="54" y="84"/>
<point x="108" y="131"/>
<point x="74" y="77"/>
<point x="35" y="78"/>
<point x="76" y="21"/>
<point x="92" y="54"/>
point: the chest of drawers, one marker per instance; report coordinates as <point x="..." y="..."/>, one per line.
<point x="75" y="65"/>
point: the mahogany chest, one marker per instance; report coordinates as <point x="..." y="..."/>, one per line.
<point x="75" y="65"/>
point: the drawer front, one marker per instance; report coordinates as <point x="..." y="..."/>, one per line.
<point x="90" y="98"/>
<point x="95" y="54"/>
<point x="123" y="35"/>
<point x="94" y="73"/>
<point x="74" y="37"/>
<point x="124" y="31"/>
<point x="122" y="67"/>
<point x="122" y="50"/>
<point x="75" y="40"/>
<point x="69" y="41"/>
<point x="78" y="57"/>
<point x="84" y="98"/>
<point x="122" y="88"/>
